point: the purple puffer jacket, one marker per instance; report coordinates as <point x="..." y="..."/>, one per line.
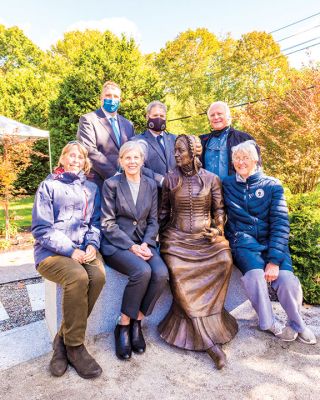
<point x="65" y="215"/>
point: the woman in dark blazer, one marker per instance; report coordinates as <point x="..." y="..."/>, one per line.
<point x="129" y="223"/>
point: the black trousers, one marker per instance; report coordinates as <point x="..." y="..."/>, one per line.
<point x="147" y="280"/>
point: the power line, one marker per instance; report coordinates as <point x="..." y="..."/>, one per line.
<point x="266" y="60"/>
<point x="304" y="48"/>
<point x="300" y="44"/>
<point x="241" y="104"/>
<point x="294" y="23"/>
<point x="297" y="33"/>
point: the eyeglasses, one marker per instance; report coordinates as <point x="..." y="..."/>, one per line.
<point x="243" y="159"/>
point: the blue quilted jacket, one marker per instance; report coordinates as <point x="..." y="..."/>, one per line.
<point x="257" y="215"/>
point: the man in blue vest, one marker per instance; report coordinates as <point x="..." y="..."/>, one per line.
<point x="217" y="144"/>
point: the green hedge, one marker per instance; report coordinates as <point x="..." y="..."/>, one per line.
<point x="304" y="210"/>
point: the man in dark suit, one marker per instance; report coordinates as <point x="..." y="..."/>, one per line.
<point x="160" y="144"/>
<point x="103" y="132"/>
<point x="217" y="144"/>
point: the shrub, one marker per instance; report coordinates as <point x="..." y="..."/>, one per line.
<point x="305" y="242"/>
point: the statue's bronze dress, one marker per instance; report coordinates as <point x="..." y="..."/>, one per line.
<point x="199" y="270"/>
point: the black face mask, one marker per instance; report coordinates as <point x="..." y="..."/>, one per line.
<point x="156" y="124"/>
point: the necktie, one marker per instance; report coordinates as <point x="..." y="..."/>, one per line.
<point x="159" y="140"/>
<point x="115" y="130"/>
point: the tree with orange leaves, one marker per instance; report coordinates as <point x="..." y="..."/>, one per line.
<point x="14" y="158"/>
<point x="287" y="129"/>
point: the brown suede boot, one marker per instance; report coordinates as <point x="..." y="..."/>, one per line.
<point x="218" y="356"/>
<point x="85" y="365"/>
<point x="59" y="361"/>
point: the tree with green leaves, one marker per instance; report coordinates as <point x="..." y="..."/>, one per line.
<point x="29" y="80"/>
<point x="198" y="68"/>
<point x="94" y="58"/>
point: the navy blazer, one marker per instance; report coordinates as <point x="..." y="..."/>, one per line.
<point x="96" y="133"/>
<point x="123" y="223"/>
<point x="159" y="164"/>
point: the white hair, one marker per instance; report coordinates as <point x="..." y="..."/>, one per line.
<point x="139" y="145"/>
<point x="226" y="109"/>
<point x="248" y="147"/>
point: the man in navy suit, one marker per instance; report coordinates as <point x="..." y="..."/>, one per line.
<point x="103" y="132"/>
<point x="160" y="144"/>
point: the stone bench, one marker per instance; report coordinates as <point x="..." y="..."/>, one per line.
<point x="107" y="307"/>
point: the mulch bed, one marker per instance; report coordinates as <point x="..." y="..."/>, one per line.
<point x="23" y="241"/>
<point x="14" y="298"/>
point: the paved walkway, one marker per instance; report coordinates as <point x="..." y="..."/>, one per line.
<point x="21" y="290"/>
<point x="21" y="310"/>
<point x="260" y="366"/>
<point x="17" y="265"/>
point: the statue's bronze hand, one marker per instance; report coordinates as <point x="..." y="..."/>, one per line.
<point x="212" y="233"/>
<point x="198" y="146"/>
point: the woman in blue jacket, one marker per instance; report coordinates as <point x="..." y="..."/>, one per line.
<point x="66" y="228"/>
<point x="258" y="232"/>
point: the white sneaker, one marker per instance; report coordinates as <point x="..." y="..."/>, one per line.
<point x="307" y="337"/>
<point x="288" y="334"/>
<point x="276" y="329"/>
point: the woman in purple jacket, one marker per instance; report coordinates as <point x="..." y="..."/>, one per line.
<point x="66" y="228"/>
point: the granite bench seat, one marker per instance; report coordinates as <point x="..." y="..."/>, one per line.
<point x="107" y="307"/>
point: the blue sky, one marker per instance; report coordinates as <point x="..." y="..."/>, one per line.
<point x="153" y="23"/>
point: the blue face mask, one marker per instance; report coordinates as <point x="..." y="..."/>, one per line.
<point x="111" y="105"/>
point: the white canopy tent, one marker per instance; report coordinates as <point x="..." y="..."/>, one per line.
<point x="14" y="128"/>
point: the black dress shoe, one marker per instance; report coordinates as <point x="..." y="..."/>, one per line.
<point x="122" y="341"/>
<point x="137" y="340"/>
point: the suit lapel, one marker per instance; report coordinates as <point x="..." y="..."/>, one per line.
<point x="106" y="124"/>
<point x="124" y="186"/>
<point x="153" y="143"/>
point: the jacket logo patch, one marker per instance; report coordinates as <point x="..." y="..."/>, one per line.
<point x="259" y="193"/>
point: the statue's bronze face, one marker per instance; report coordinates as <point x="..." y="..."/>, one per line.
<point x="181" y="153"/>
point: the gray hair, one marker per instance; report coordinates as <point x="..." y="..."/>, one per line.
<point x="248" y="147"/>
<point x="156" y="103"/>
<point x="226" y="109"/>
<point x="139" y="145"/>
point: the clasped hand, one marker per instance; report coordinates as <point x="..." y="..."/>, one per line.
<point x="212" y="233"/>
<point x="84" y="256"/>
<point x="141" y="251"/>
<point x="271" y="272"/>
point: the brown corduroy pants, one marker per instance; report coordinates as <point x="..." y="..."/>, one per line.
<point x="82" y="284"/>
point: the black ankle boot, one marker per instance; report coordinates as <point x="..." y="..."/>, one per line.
<point x="137" y="340"/>
<point x="122" y="341"/>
